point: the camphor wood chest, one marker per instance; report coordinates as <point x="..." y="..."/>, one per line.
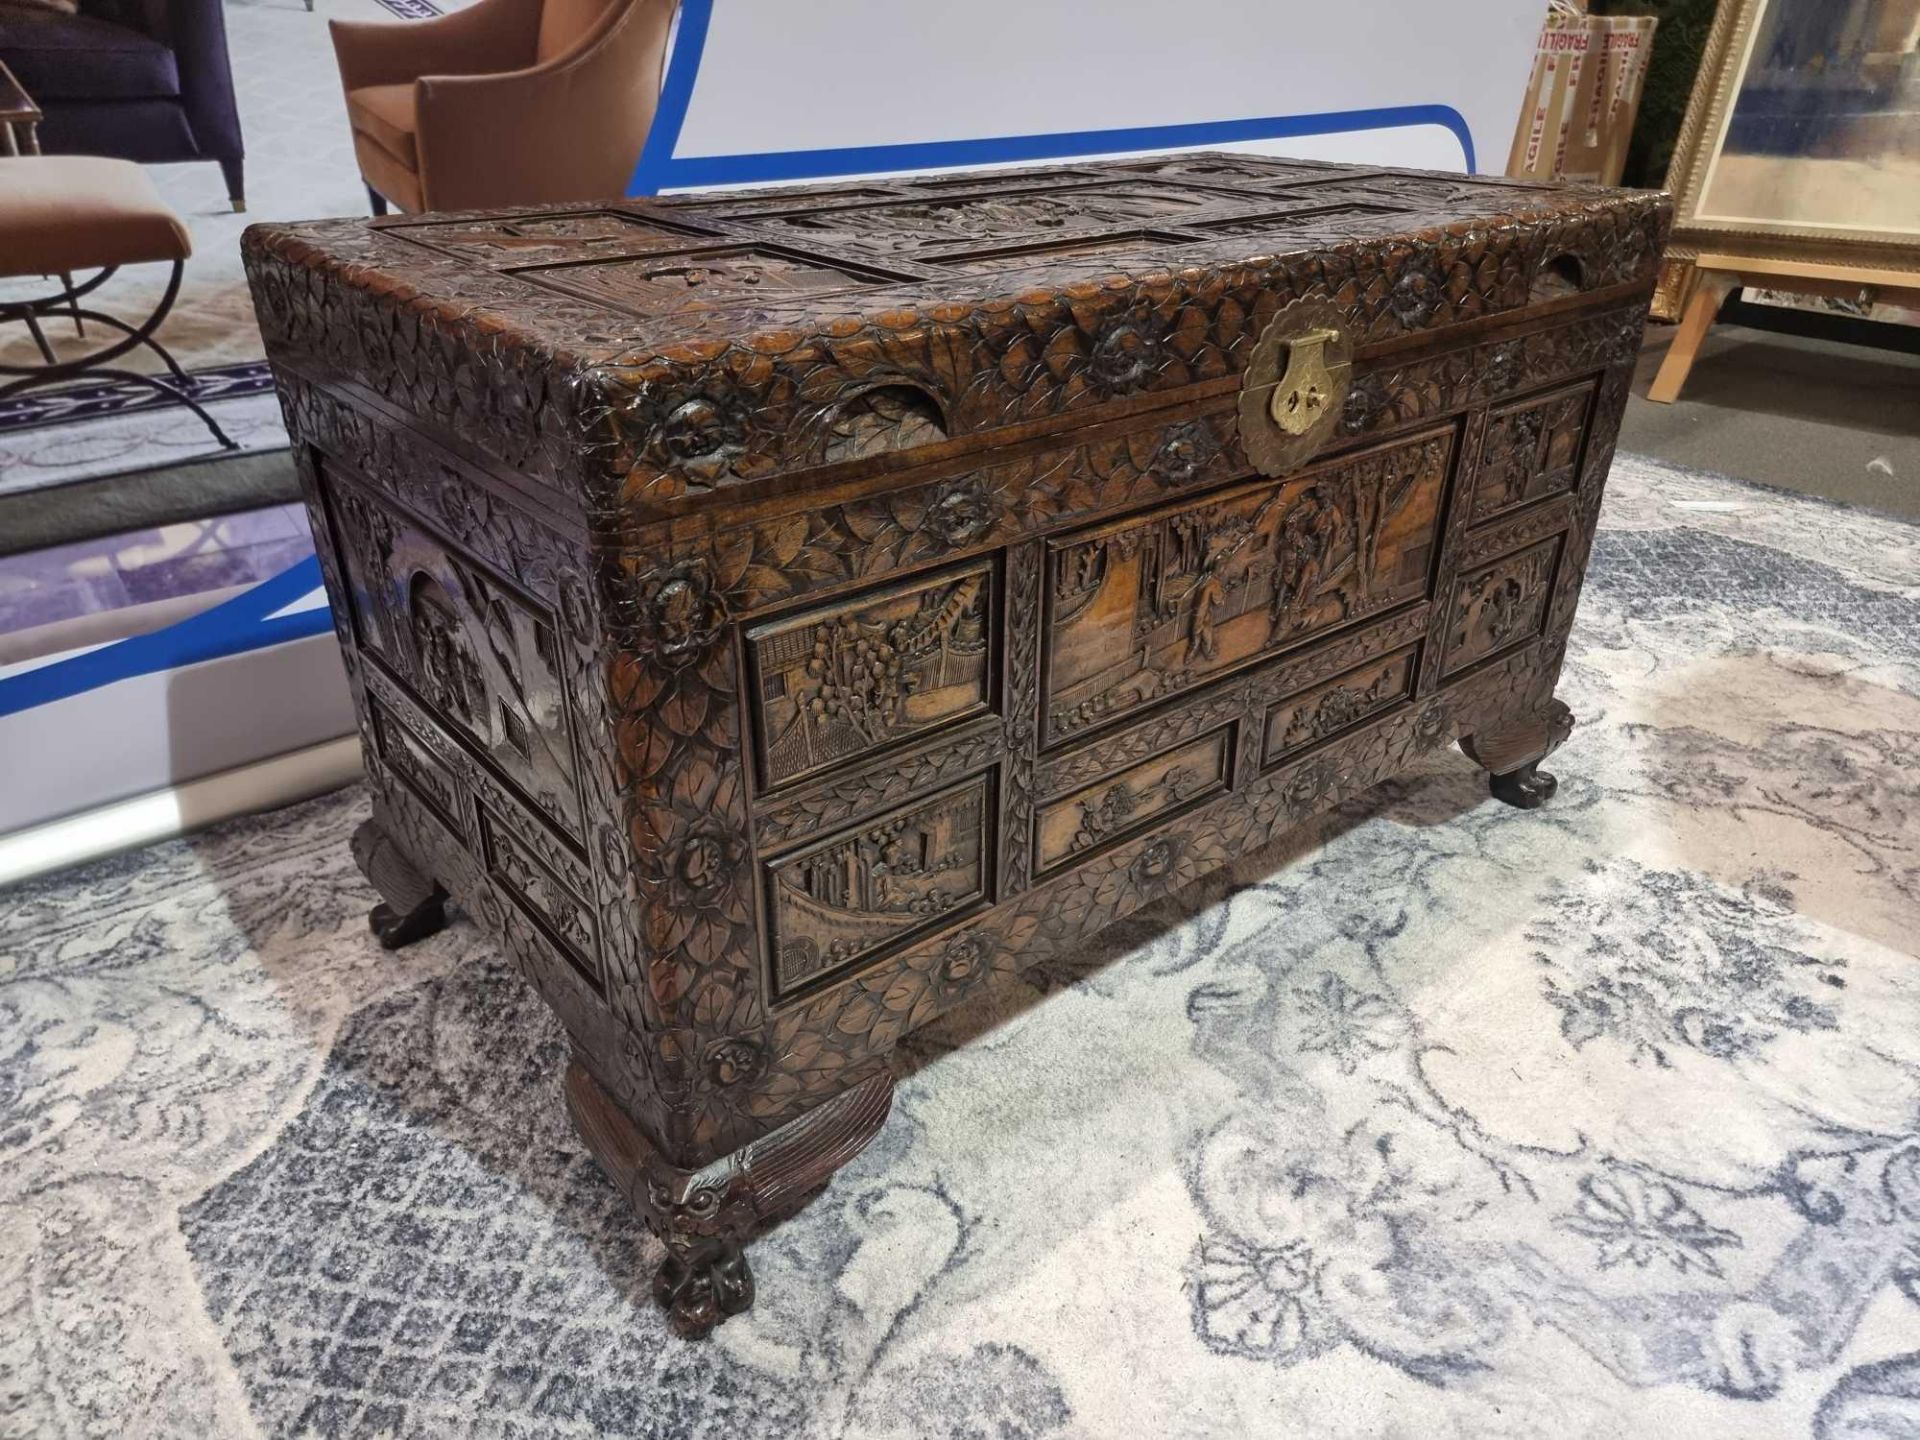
<point x="773" y="616"/>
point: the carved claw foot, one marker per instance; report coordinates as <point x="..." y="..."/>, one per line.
<point x="705" y="1216"/>
<point x="411" y="907"/>
<point x="1527" y="788"/>
<point x="700" y="1285"/>
<point x="1511" y="752"/>
<point x="395" y="928"/>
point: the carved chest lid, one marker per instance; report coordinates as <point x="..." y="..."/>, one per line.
<point x="656" y="351"/>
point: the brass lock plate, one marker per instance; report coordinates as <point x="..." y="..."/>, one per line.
<point x="1294" y="387"/>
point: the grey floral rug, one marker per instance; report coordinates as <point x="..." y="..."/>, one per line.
<point x="1446" y="1120"/>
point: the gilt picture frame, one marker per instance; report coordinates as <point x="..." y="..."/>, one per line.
<point x="1797" y="148"/>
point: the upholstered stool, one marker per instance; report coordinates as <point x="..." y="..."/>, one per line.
<point x="61" y="214"/>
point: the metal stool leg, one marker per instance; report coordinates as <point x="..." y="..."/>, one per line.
<point x="99" y="363"/>
<point x="79" y="325"/>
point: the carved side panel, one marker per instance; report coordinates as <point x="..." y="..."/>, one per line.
<point x="1499" y="605"/>
<point x="410" y="758"/>
<point x="1152" y="607"/>
<point x="1088" y="820"/>
<point x="479" y="653"/>
<point x="1300" y="722"/>
<point x="1531" y="450"/>
<point x="536" y="886"/>
<point x="430" y="778"/>
<point x="856" y="894"/>
<point x="839" y="683"/>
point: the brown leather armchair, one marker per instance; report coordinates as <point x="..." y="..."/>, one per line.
<point x="508" y="102"/>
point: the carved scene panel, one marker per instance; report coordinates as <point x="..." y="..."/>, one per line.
<point x="575" y="236"/>
<point x="1300" y="722"/>
<point x="476" y="652"/>
<point x="1125" y="804"/>
<point x="956" y="220"/>
<point x="1071" y="256"/>
<point x="1229" y="169"/>
<point x="1500" y="605"/>
<point x="1154" y="606"/>
<point x="693" y="282"/>
<point x="1278" y="222"/>
<point x="875" y="886"/>
<point x="553" y="904"/>
<point x="1532" y="449"/>
<point x="411" y="759"/>
<point x="838" y="683"/>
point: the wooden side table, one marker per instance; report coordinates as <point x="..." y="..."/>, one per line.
<point x="19" y="117"/>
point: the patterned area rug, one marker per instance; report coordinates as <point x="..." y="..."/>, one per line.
<point x="1453" y="1121"/>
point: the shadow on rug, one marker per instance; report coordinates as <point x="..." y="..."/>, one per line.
<point x="1442" y="1120"/>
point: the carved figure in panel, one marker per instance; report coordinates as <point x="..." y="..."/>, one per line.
<point x="1133" y="800"/>
<point x="1303" y="721"/>
<point x="1152" y="607"/>
<point x="1500" y="605"/>
<point x="1530" y="450"/>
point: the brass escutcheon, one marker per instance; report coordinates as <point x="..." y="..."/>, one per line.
<point x="1301" y="396"/>
<point x="1295" y="384"/>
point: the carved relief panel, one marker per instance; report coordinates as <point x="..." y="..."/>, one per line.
<point x="1532" y="449"/>
<point x="411" y="758"/>
<point x="473" y="649"/>
<point x="841" y="682"/>
<point x="1500" y="605"/>
<point x="555" y="905"/>
<point x="1006" y="215"/>
<point x="1153" y="606"/>
<point x="574" y="235"/>
<point x="1120" y="806"/>
<point x="1229" y="169"/>
<point x="1300" y="722"/>
<point x="1103" y="253"/>
<point x="878" y="884"/>
<point x="691" y="282"/>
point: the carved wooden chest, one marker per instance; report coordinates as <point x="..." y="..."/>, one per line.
<point x="773" y="616"/>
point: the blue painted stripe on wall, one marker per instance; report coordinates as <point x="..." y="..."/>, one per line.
<point x="659" y="170"/>
<point x="676" y="92"/>
<point x="229" y="628"/>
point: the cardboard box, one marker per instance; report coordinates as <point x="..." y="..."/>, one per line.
<point x="1583" y="96"/>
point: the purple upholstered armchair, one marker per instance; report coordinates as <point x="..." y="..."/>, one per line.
<point x="143" y="80"/>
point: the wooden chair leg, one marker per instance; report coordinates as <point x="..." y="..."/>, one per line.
<point x="1708" y="295"/>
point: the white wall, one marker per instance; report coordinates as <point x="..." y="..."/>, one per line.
<point x="838" y="73"/>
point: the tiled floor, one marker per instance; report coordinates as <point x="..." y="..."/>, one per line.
<point x="68" y="581"/>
